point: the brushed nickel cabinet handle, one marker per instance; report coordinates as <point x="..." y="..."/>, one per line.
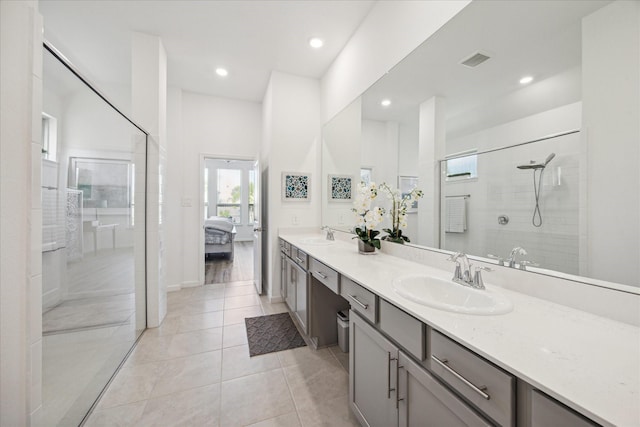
<point x="357" y="301"/>
<point x="444" y="363"/>
<point x="388" y="375"/>
<point x="322" y="275"/>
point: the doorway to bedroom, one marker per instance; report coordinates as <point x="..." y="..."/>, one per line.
<point x="229" y="214"/>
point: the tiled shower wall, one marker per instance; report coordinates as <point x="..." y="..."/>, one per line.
<point x="503" y="189"/>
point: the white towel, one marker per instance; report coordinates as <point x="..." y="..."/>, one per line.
<point x="456" y="215"/>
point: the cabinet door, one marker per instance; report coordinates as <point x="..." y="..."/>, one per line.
<point x="372" y="380"/>
<point x="300" y="283"/>
<point x="283" y="275"/>
<point x="546" y="412"/>
<point x="424" y="402"/>
<point x="290" y="298"/>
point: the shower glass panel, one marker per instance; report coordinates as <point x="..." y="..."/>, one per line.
<point x="93" y="249"/>
<point x="501" y="208"/>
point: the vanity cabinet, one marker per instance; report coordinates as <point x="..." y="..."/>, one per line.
<point x="424" y="402"/>
<point x="487" y="387"/>
<point x="283" y="272"/>
<point x="387" y="388"/>
<point x="546" y="412"/>
<point x="294" y="282"/>
<point x="404" y="372"/>
<point x="373" y="363"/>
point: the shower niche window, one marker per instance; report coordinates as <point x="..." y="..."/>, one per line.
<point x="461" y="166"/>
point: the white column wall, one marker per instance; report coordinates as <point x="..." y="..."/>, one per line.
<point x="173" y="223"/>
<point x="20" y="214"/>
<point x="611" y="112"/>
<point x="389" y="33"/>
<point x="291" y="130"/>
<point x="149" y="106"/>
<point x="432" y="134"/>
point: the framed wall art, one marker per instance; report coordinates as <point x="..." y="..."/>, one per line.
<point x="340" y="188"/>
<point x="296" y="187"/>
<point x="406" y="184"/>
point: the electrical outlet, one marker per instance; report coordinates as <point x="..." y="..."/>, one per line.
<point x="186" y="202"/>
<point x="294" y="219"/>
<point x="341" y="219"/>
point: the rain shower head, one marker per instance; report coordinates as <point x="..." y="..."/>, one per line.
<point x="531" y="165"/>
<point x="534" y="165"/>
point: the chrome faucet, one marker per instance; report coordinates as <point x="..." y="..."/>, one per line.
<point x="462" y="273"/>
<point x="512" y="257"/>
<point x="329" y="232"/>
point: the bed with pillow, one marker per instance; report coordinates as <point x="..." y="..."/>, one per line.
<point x="219" y="234"/>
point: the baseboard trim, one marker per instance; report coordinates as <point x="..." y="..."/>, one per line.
<point x="274" y="300"/>
<point x="191" y="284"/>
<point x="174" y="288"/>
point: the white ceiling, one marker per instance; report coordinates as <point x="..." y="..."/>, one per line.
<point x="538" y="38"/>
<point x="249" y="38"/>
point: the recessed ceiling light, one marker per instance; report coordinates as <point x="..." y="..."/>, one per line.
<point x="316" y="42"/>
<point x="526" y="80"/>
<point x="385" y="102"/>
<point x="222" y="72"/>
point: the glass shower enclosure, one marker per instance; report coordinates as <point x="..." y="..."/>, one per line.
<point x="93" y="248"/>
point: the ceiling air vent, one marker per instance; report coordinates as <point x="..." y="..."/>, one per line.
<point x="474" y="60"/>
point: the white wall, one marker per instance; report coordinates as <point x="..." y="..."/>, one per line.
<point x="389" y="33"/>
<point x="291" y="109"/>
<point x="149" y="107"/>
<point x="379" y="149"/>
<point x="341" y="141"/>
<point x="200" y="125"/>
<point x="611" y="102"/>
<point x="408" y="149"/>
<point x="20" y="214"/>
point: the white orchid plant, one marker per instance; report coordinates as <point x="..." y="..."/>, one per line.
<point x="400" y="204"/>
<point x="367" y="216"/>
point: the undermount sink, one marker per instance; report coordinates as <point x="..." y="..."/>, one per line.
<point x="450" y="296"/>
<point x="318" y="241"/>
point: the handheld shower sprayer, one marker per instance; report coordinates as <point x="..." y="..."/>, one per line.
<point x="549" y="158"/>
<point x="537" y="216"/>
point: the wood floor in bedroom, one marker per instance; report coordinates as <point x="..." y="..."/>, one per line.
<point x="219" y="269"/>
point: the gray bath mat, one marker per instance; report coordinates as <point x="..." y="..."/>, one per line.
<point x="274" y="332"/>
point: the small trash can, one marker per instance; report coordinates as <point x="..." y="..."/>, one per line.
<point x="343" y="331"/>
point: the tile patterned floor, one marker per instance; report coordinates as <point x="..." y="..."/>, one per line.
<point x="195" y="370"/>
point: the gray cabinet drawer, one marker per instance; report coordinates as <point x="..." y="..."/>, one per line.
<point x="326" y="275"/>
<point x="285" y="247"/>
<point x="403" y="328"/>
<point x="488" y="387"/>
<point x="299" y="257"/>
<point x="361" y="300"/>
<point x="546" y="412"/>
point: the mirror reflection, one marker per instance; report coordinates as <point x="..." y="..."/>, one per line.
<point x="512" y="135"/>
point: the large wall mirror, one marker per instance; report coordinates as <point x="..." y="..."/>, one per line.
<point x="548" y="165"/>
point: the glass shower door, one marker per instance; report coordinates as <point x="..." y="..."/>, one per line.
<point x="93" y="252"/>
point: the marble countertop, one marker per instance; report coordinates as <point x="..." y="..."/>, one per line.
<point x="589" y="363"/>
